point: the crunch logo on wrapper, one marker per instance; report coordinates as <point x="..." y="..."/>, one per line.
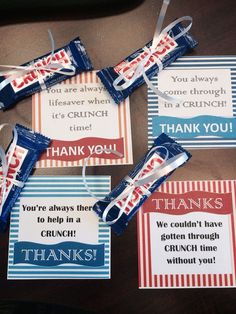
<point x="138" y="192"/>
<point x="32" y="77"/>
<point x="167" y="44"/>
<point x="14" y="167"/>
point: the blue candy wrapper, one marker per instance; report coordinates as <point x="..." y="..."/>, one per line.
<point x="117" y="208"/>
<point x="72" y="55"/>
<point x="27" y="150"/>
<point x="168" y="52"/>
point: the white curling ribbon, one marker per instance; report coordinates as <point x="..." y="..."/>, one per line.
<point x="164" y="169"/>
<point x="108" y="150"/>
<point x="53" y="67"/>
<point x="5" y="164"/>
<point x="137" y="71"/>
<point x="167" y="166"/>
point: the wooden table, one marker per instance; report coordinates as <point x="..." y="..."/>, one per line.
<point x="108" y="39"/>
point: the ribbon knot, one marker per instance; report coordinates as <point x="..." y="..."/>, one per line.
<point x="161" y="40"/>
<point x="134" y="183"/>
<point x="141" y="183"/>
<point x="51" y="67"/>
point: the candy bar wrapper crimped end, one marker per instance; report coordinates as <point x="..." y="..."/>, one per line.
<point x="73" y="54"/>
<point x="28" y="148"/>
<point x="172" y="50"/>
<point x="148" y="163"/>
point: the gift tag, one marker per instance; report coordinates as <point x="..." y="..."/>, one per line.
<point x="204" y="113"/>
<point x="54" y="233"/>
<point x="82" y="119"/>
<point x="186" y="236"/>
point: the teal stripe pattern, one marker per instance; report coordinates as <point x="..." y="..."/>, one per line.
<point x="59" y="187"/>
<point x="196" y="62"/>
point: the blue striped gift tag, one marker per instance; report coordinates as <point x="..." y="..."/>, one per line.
<point x="24" y="228"/>
<point x="155" y="105"/>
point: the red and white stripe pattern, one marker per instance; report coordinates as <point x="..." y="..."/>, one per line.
<point x="14" y="168"/>
<point x="149" y="280"/>
<point x="137" y="193"/>
<point x="123" y="122"/>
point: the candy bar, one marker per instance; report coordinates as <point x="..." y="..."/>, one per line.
<point x="43" y="72"/>
<point x="122" y="79"/>
<point x="16" y="165"/>
<point x="117" y="208"/>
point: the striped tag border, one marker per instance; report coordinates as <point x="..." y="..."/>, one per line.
<point x="205" y="62"/>
<point x="149" y="280"/>
<point x="123" y="121"/>
<point x="60" y="186"/>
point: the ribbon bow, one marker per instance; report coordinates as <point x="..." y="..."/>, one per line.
<point x="5" y="164"/>
<point x="167" y="166"/>
<point x="52" y="67"/>
<point x="136" y="71"/>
